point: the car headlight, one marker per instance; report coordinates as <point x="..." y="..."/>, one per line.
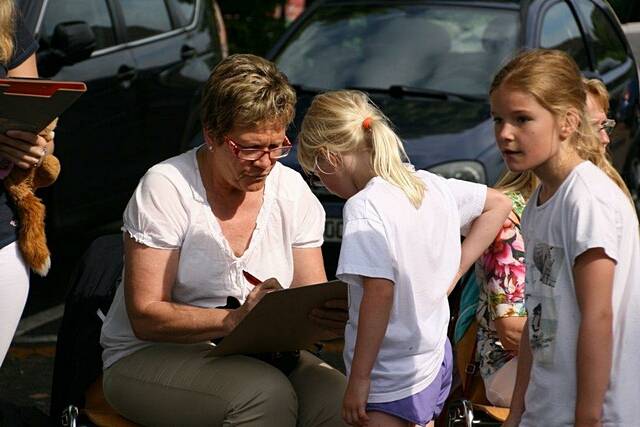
<point x="467" y="170"/>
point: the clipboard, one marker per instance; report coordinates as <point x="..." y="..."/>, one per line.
<point x="280" y="321"/>
<point x="31" y="104"/>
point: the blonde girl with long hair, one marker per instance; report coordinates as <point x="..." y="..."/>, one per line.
<point x="582" y="252"/>
<point x="17" y="149"/>
<point x="400" y="255"/>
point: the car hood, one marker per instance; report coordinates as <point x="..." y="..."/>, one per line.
<point x="434" y="131"/>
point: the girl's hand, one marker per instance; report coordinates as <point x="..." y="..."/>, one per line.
<point x="355" y="402"/>
<point x="332" y="317"/>
<point x="24" y="149"/>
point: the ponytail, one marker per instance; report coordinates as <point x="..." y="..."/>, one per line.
<point x="347" y="121"/>
<point x="388" y="159"/>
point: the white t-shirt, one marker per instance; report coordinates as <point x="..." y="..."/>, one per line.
<point x="385" y="236"/>
<point x="587" y="211"/>
<point x="169" y="210"/>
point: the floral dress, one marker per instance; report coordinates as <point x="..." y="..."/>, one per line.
<point x="500" y="272"/>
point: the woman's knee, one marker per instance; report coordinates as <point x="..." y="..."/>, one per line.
<point x="267" y="399"/>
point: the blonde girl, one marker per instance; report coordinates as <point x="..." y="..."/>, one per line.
<point x="400" y="255"/>
<point x="582" y="252"/>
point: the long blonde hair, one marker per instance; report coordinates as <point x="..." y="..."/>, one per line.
<point x="7" y="27"/>
<point x="335" y="125"/>
<point x="554" y="80"/>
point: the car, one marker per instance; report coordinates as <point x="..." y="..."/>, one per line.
<point x="428" y="64"/>
<point x="144" y="63"/>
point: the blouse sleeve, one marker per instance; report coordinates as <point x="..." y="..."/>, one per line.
<point x="504" y="270"/>
<point x="155" y="215"/>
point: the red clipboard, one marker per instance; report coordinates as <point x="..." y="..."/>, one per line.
<point x="31" y="104"/>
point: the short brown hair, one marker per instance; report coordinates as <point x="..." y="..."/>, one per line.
<point x="245" y="90"/>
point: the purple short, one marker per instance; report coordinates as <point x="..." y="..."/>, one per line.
<point x="426" y="405"/>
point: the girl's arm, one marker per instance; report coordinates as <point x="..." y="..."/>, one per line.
<point x="483" y="231"/>
<point x="593" y="274"/>
<point x="374" y="313"/>
<point x="522" y="380"/>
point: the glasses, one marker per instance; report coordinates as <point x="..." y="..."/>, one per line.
<point x="253" y="154"/>
<point x="607" y="126"/>
<point x="313" y="178"/>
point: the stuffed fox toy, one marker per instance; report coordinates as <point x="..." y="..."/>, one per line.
<point x="21" y="185"/>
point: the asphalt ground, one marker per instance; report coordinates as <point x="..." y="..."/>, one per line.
<point x="26" y="374"/>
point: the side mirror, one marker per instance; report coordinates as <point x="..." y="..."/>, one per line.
<point x="70" y="43"/>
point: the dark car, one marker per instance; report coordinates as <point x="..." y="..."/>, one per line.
<point x="428" y="64"/>
<point x="144" y="62"/>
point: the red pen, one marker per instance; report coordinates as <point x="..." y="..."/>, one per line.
<point x="251" y="278"/>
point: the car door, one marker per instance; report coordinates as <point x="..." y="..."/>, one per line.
<point x="95" y="132"/>
<point x="161" y="40"/>
<point x="614" y="65"/>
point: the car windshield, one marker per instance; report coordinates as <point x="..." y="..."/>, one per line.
<point x="438" y="47"/>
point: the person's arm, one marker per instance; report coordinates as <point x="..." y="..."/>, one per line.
<point x="28" y="68"/>
<point x="525" y="359"/>
<point x="593" y="273"/>
<point x="149" y="277"/>
<point x="375" y="309"/>
<point x="25" y="149"/>
<point x="308" y="267"/>
<point x="503" y="269"/>
<point x="509" y="331"/>
<point x="483" y="231"/>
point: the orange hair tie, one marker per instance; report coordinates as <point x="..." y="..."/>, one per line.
<point x="366" y="123"/>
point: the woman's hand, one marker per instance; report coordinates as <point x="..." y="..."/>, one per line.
<point x="257" y="293"/>
<point x="354" y="405"/>
<point x="24" y="149"/>
<point x="332" y="317"/>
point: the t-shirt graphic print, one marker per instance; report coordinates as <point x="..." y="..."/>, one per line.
<point x="543" y="323"/>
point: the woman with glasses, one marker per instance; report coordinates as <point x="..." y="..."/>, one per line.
<point x="194" y="224"/>
<point x="598" y="108"/>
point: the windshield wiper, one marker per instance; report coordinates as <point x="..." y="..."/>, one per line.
<point x="400" y="91"/>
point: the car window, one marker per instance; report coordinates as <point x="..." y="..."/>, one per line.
<point x="608" y="47"/>
<point x="145" y="18"/>
<point x="560" y="31"/>
<point x="185" y="10"/>
<point x="93" y="12"/>
<point x="455" y="49"/>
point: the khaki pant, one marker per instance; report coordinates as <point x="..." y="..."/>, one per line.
<point x="177" y="385"/>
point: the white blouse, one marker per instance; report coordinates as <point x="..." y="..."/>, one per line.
<point x="169" y="210"/>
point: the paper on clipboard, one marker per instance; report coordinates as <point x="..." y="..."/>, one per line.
<point x="31" y="104"/>
<point x="280" y="321"/>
